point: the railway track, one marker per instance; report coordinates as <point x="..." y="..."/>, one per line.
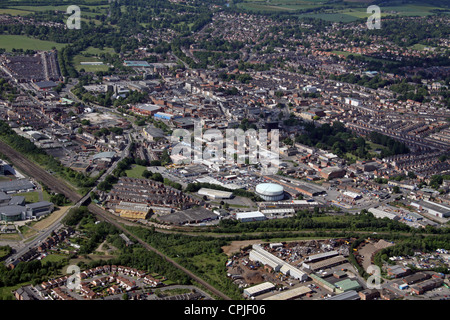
<point x="33" y="170"/>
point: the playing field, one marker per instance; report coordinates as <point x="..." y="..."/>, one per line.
<point x="10" y="42"/>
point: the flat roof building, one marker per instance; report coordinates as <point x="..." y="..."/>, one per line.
<point x="323" y="264"/>
<point x="377" y="213"/>
<point x="349" y="295"/>
<point x="250" y="216"/>
<point x="215" y="194"/>
<point x="290" y="294"/>
<point x="130" y="210"/>
<point x="15" y="186"/>
<point x="348" y="285"/>
<point x="146" y="109"/>
<point x="259" y="254"/>
<point x="259" y="289"/>
<point x="435" y="209"/>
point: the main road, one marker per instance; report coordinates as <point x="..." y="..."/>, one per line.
<point x="39" y="174"/>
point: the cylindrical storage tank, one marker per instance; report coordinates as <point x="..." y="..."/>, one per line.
<point x="270" y="191"/>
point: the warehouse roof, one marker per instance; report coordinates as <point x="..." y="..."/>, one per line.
<point x="12" y="210"/>
<point x="192" y="215"/>
<point x="15" y="185"/>
<point x="249" y="215"/>
<point x="290" y="294"/>
<point x="347" y="285"/>
<point x="39" y="204"/>
<point x="349" y="295"/>
<point x="265" y="286"/>
<point x="215" y="193"/>
<point x="104" y="155"/>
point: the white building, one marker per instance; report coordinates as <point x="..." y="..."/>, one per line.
<point x="215" y="194"/>
<point x="377" y="213"/>
<point x="250" y="216"/>
<point x="259" y="289"/>
<point x="259" y="254"/>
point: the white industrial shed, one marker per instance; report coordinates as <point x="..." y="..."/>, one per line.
<point x="290" y="294"/>
<point x="259" y="289"/>
<point x="250" y="216"/>
<point x="259" y="254"/>
<point x="377" y="213"/>
<point x="215" y="194"/>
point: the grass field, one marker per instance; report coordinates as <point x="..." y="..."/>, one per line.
<point x="10" y="42"/>
<point x="337" y="13"/>
<point x="88" y="68"/>
<point x="136" y="171"/>
<point x="15" y="12"/>
<point x="97" y="51"/>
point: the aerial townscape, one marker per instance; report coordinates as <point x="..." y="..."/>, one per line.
<point x="224" y="150"/>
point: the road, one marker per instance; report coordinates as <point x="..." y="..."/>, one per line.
<point x="32" y="170"/>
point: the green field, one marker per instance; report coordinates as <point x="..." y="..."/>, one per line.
<point x="136" y="171"/>
<point x="88" y="68"/>
<point x="15" y="12"/>
<point x="97" y="51"/>
<point x="336" y="14"/>
<point x="10" y="42"/>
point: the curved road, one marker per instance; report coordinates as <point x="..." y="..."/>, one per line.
<point x="33" y="170"/>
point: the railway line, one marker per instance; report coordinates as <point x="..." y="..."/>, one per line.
<point x="33" y="170"/>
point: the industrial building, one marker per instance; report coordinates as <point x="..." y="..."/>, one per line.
<point x="276" y="212"/>
<point x="270" y="191"/>
<point x="146" y="109"/>
<point x="165" y="116"/>
<point x="398" y="271"/>
<point x="348" y="285"/>
<point x="321" y="256"/>
<point x="250" y="216"/>
<point x="290" y="294"/>
<point x="258" y="289"/>
<point x="16" y="186"/>
<point x="215" y="194"/>
<point x="377" y="213"/>
<point x="324" y="264"/>
<point x="16" y="212"/>
<point x="192" y="215"/>
<point x="349" y="295"/>
<point x="422" y="287"/>
<point x="294" y="204"/>
<point x="152" y="133"/>
<point x="330" y="173"/>
<point x="435" y="209"/>
<point x="130" y="210"/>
<point x="259" y="254"/>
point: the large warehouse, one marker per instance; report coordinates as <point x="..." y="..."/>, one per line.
<point x="259" y="254"/>
<point x="215" y="194"/>
<point x="15" y="212"/>
<point x="259" y="289"/>
<point x="270" y="191"/>
<point x="250" y="216"/>
<point x="435" y="209"/>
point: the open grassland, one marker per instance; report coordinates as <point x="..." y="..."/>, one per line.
<point x="136" y="171"/>
<point x="10" y="42"/>
<point x="335" y="12"/>
<point x="15" y="12"/>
